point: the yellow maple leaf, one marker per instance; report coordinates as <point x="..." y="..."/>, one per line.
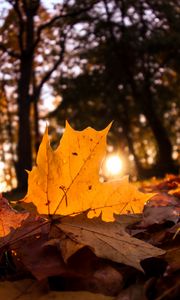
<point x="65" y="181"/>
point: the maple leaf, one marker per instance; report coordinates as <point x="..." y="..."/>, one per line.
<point x="107" y="240"/>
<point x="9" y="217"/>
<point x="66" y="181"/>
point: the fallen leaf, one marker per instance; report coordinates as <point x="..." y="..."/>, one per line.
<point x="170" y="184"/>
<point x="66" y="181"/>
<point x="107" y="280"/>
<point x="9" y="217"/>
<point x="68" y="247"/>
<point x="31" y="289"/>
<point x="27" y="289"/>
<point x="40" y="260"/>
<point x="134" y="292"/>
<point x="75" y="296"/>
<point x="172" y="256"/>
<point x="31" y="226"/>
<point x="162" y="207"/>
<point x="107" y="240"/>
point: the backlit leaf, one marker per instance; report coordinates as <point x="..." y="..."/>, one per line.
<point x="66" y="181"/>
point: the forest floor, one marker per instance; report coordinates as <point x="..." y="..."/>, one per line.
<point x="88" y="277"/>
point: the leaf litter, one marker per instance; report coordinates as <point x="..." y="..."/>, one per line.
<point x="79" y="235"/>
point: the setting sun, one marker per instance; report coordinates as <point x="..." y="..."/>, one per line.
<point x="113" y="165"/>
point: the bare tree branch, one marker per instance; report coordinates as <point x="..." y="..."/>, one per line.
<point x="9" y="52"/>
<point x="15" y="6"/>
<point x="50" y="23"/>
<point x="55" y="66"/>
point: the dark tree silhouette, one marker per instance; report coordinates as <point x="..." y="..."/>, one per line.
<point x="135" y="45"/>
<point x="26" y="32"/>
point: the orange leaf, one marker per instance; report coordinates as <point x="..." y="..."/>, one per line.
<point x="66" y="181"/>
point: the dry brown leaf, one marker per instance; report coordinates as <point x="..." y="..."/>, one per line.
<point x="160" y="208"/>
<point x="66" y="181"/>
<point x="134" y="292"/>
<point x="173" y="258"/>
<point x="75" y="296"/>
<point x="31" y="289"/>
<point x="42" y="261"/>
<point x="69" y="247"/>
<point x="9" y="217"/>
<point x="108" y="240"/>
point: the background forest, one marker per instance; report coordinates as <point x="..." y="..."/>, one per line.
<point x="90" y="62"/>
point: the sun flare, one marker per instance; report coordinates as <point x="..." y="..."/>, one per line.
<point x="113" y="165"/>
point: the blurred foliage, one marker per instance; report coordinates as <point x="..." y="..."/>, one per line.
<point x="128" y="71"/>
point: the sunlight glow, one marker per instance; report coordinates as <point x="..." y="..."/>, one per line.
<point x="113" y="165"/>
<point x="2" y="165"/>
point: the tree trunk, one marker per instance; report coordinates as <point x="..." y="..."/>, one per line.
<point x="144" y="99"/>
<point x="165" y="162"/>
<point x="34" y="99"/>
<point x="124" y="119"/>
<point x="36" y="125"/>
<point x="24" y="147"/>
